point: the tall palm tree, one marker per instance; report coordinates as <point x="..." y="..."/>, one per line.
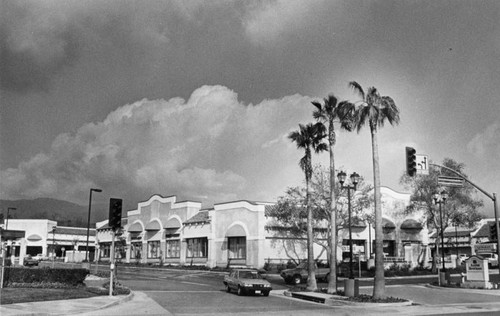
<point x="309" y="137"/>
<point x="327" y="113"/>
<point x="374" y="110"/>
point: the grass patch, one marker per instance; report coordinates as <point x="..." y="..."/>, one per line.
<point x="24" y="295"/>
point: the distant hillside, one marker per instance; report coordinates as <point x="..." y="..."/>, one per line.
<point x="65" y="213"/>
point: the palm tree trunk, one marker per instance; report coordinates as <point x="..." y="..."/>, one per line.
<point x="379" y="286"/>
<point x="311" y="280"/>
<point x="332" y="282"/>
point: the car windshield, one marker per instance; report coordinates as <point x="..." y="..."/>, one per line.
<point x="249" y="275"/>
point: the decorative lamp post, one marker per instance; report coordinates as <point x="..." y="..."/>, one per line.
<point x="88" y="222"/>
<point x="440" y="199"/>
<point x="354" y="180"/>
<point x="4" y="248"/>
<point x="53" y="245"/>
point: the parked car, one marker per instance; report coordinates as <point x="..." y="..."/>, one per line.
<point x="29" y="261"/>
<point x="246" y="281"/>
<point x="299" y="274"/>
<point x="40" y="257"/>
<point x="492" y="259"/>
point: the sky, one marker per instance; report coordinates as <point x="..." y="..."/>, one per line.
<point x="196" y="98"/>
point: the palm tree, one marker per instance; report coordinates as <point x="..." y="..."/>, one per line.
<point x="309" y="137"/>
<point x="327" y="113"/>
<point x="375" y="110"/>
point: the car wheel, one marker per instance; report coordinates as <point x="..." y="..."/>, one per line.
<point x="297" y="279"/>
<point x="228" y="289"/>
<point x="240" y="291"/>
<point x="265" y="293"/>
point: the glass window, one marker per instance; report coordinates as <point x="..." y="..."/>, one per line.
<point x="154" y="249"/>
<point x="197" y="248"/>
<point x="136" y="250"/>
<point x="172" y="249"/>
<point x="105" y="250"/>
<point x="237" y="247"/>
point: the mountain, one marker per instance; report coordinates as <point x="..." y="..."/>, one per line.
<point x="64" y="212"/>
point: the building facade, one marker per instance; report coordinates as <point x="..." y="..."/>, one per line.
<point x="43" y="236"/>
<point x="164" y="231"/>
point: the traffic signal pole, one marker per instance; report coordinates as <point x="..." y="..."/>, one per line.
<point x="493" y="197"/>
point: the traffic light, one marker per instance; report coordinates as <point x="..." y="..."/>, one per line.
<point x="493" y="232"/>
<point x="411" y="161"/>
<point x="115" y="213"/>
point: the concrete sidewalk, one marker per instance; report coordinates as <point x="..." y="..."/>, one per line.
<point x="132" y="304"/>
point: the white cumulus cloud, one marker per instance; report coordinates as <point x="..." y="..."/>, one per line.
<point x="211" y="145"/>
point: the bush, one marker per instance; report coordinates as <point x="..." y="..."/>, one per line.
<point x="44" y="277"/>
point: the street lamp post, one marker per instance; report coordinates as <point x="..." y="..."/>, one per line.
<point x="354" y="180"/>
<point x="53" y="245"/>
<point x="88" y="222"/>
<point x="440" y="199"/>
<point x="4" y="248"/>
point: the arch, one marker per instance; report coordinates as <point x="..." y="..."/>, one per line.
<point x="237" y="229"/>
<point x="173" y="222"/>
<point x="34" y="237"/>
<point x="136" y="227"/>
<point x="411" y="224"/>
<point x="153" y="225"/>
<point x="387" y="223"/>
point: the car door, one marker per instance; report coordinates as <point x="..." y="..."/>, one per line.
<point x="232" y="279"/>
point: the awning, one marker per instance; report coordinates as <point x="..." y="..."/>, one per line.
<point x="236" y="231"/>
<point x="34" y="237"/>
<point x="136" y="227"/>
<point x="411" y="224"/>
<point x="153" y="225"/>
<point x="173" y="223"/>
<point x="387" y="224"/>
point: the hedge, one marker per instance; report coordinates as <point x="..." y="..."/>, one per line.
<point x="45" y="277"/>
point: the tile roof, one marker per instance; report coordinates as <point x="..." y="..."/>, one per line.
<point x="200" y="217"/>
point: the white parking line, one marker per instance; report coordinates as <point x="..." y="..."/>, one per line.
<point x="194" y="283"/>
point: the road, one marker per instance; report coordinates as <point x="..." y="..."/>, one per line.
<point x="202" y="293"/>
<point x="184" y="292"/>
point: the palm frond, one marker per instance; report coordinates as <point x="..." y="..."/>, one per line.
<point x="357" y="88"/>
<point x="317" y="105"/>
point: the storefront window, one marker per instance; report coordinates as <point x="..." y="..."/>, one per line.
<point x="105" y="249"/>
<point x="154" y="249"/>
<point x="173" y="249"/>
<point x="237" y="247"/>
<point x="197" y="248"/>
<point x="136" y="250"/>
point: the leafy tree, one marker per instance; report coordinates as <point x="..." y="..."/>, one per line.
<point x="374" y="110"/>
<point x="328" y="113"/>
<point x="309" y="137"/>
<point x="289" y="216"/>
<point x="461" y="207"/>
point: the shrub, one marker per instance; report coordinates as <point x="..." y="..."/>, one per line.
<point x="45" y="277"/>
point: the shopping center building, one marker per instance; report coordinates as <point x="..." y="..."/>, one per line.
<point x="163" y="230"/>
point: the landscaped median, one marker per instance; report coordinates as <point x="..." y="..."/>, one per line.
<point x="340" y="300"/>
<point x="45" y="284"/>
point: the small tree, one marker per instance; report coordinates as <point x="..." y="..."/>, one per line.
<point x="461" y="207"/>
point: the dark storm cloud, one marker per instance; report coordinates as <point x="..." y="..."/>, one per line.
<point x="36" y="44"/>
<point x="23" y="70"/>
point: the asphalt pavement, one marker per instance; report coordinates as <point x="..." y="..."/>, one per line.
<point x="425" y="300"/>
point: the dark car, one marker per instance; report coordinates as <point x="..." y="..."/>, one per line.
<point x="246" y="281"/>
<point x="299" y="274"/>
<point x="29" y="261"/>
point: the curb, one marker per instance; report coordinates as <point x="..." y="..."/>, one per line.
<point x="321" y="299"/>
<point x="117" y="302"/>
